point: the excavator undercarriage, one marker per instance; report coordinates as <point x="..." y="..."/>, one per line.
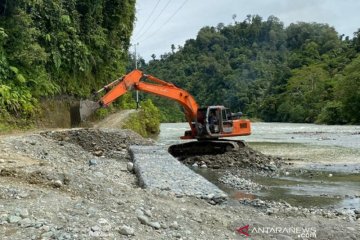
<point x="205" y="147"/>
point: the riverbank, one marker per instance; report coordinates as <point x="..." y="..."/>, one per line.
<point x="318" y="162"/>
<point x="75" y="184"/>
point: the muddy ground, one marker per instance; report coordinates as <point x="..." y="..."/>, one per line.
<point x="74" y="184"/>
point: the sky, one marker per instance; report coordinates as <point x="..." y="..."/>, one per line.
<point x="160" y="23"/>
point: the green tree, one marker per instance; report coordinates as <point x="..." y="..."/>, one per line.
<point x="60" y="47"/>
<point x="264" y="69"/>
<point x="307" y="93"/>
<point x="348" y="91"/>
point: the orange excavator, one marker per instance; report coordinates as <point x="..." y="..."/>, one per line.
<point x="207" y="124"/>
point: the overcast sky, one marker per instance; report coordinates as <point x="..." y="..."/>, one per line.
<point x="160" y="23"/>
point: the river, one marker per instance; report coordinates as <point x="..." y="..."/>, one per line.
<point x="327" y="150"/>
<point x="311" y="143"/>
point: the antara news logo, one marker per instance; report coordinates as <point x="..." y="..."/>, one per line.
<point x="300" y="232"/>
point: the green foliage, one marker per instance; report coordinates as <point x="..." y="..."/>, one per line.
<point x="146" y="121"/>
<point x="302" y="73"/>
<point x="126" y="101"/>
<point x="135" y="124"/>
<point x="348" y="91"/>
<point x="306" y="91"/>
<point x="101" y="113"/>
<point x="170" y="111"/>
<point x="332" y="113"/>
<point x="60" y="47"/>
<point x="150" y="117"/>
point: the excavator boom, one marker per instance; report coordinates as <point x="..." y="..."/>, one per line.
<point x="208" y="123"/>
<point x="161" y="88"/>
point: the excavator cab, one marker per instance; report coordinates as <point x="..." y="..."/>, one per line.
<point x="211" y="124"/>
<point x="216" y="122"/>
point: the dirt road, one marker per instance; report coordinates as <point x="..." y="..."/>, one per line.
<point x="115" y="120"/>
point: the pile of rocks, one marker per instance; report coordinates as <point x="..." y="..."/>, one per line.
<point x="244" y="157"/>
<point x="240" y="183"/>
<point x="100" y="142"/>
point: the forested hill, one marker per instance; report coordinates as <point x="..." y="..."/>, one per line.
<point x="59" y="47"/>
<point x="305" y="72"/>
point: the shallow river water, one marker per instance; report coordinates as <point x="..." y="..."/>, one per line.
<point x="329" y="154"/>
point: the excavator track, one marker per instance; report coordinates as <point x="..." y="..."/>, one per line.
<point x="205" y="147"/>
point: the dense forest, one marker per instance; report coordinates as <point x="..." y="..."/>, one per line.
<point x="62" y="47"/>
<point x="305" y="72"/>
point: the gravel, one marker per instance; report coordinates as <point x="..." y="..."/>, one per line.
<point x="126" y="230"/>
<point x="283" y="208"/>
<point x="103" y="201"/>
<point x="240" y="183"/>
<point x="244" y="157"/>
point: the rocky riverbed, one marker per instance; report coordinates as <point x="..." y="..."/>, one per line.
<point x="75" y="184"/>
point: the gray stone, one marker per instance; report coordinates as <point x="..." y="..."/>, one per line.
<point x="148" y="213"/>
<point x="155" y="225"/>
<point x="139" y="212"/>
<point x="4" y="217"/>
<point x="143" y="219"/>
<point x="47" y="235"/>
<point x="26" y="222"/>
<point x="45" y="228"/>
<point x="92" y="162"/>
<point x="210" y="196"/>
<point x="130" y="166"/>
<point x="272" y="167"/>
<point x="203" y="166"/>
<point x="95" y="228"/>
<point x="174" y="225"/>
<point x="126" y="230"/>
<point x="98" y="153"/>
<point x="269" y="211"/>
<point x="58" y="184"/>
<point x="351" y="229"/>
<point x="22" y="212"/>
<point x="14" y="219"/>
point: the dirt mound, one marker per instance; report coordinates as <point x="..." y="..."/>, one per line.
<point x="244" y="157"/>
<point x="100" y="142"/>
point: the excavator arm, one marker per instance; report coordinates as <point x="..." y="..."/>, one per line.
<point x="158" y="87"/>
<point x="206" y="123"/>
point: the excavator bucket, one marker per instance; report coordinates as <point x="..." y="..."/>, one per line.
<point x="82" y="110"/>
